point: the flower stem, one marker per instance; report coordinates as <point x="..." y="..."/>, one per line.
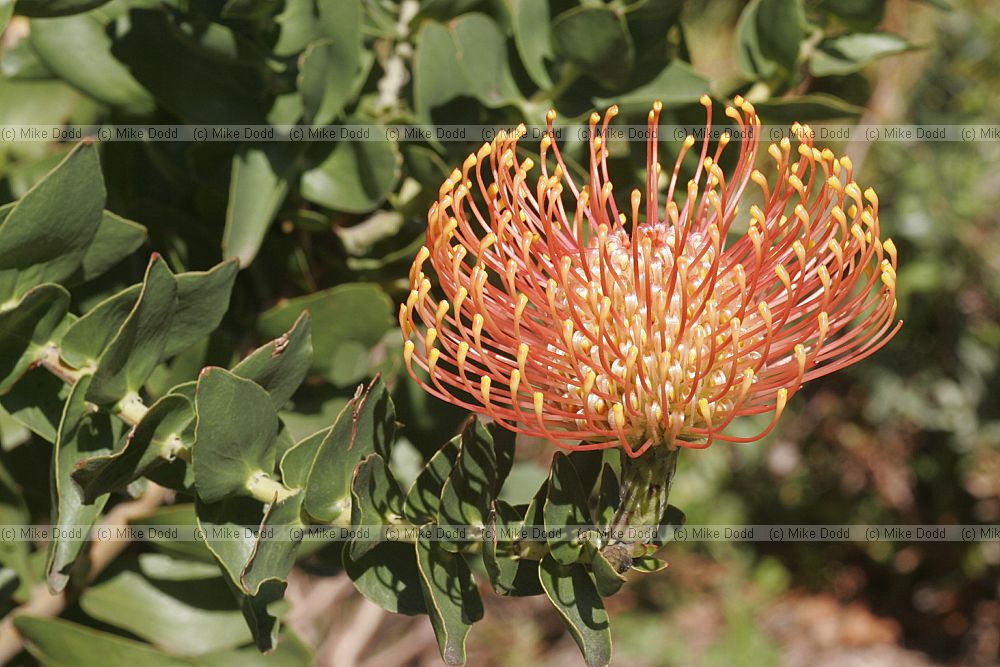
<point x="645" y="488"/>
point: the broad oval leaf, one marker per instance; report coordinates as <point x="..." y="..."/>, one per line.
<point x="451" y="597"/>
<point x="572" y="591"/>
<point x="281" y="365"/>
<point x="235" y="435"/>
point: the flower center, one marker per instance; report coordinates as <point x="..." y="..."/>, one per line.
<point x="655" y="334"/>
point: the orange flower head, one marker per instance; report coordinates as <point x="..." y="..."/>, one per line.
<point x="569" y="319"/>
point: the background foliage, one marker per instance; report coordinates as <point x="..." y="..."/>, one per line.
<point x="910" y="436"/>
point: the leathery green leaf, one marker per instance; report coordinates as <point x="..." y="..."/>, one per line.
<point x="532" y="36"/>
<point x="423" y="500"/>
<point x="607" y="579"/>
<point x="341" y="352"/>
<point x="565" y="505"/>
<point x="81" y="433"/>
<point x="116" y="239"/>
<point x="77" y="49"/>
<point x="451" y="597"/>
<point x="87" y="338"/>
<point x="255" y="565"/>
<point x="187" y="616"/>
<point x="46" y="234"/>
<point x="57" y="642"/>
<point x="328" y="68"/>
<point x="158" y="437"/>
<point x="467" y="494"/>
<point x="355" y="177"/>
<point x="466" y="56"/>
<point x="135" y="351"/>
<point x="26" y="328"/>
<point x="375" y="501"/>
<point x="388" y="576"/>
<point x="257" y="186"/>
<point x="281" y="365"/>
<point x="596" y="39"/>
<point x="509" y="574"/>
<point x="366" y="426"/>
<point x="202" y="301"/>
<point x="37" y="402"/>
<point x="234" y="437"/>
<point x="572" y="591"/>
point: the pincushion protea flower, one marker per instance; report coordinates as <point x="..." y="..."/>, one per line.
<point x="568" y="319"/>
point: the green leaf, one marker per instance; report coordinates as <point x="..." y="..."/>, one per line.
<point x="60" y="643"/>
<point x="15" y="555"/>
<point x="388" y="576"/>
<point x="299" y="25"/>
<point x="81" y="433"/>
<point x="805" y="108"/>
<point x="504" y="445"/>
<point x="297" y="461"/>
<point x="850" y="53"/>
<point x="45" y="236"/>
<point x="451" y="597"/>
<point x="532" y="36"/>
<point x="366" y="426"/>
<point x="672" y="517"/>
<point x="648" y="564"/>
<point x="27" y="327"/>
<point x="181" y="514"/>
<point x="609" y="496"/>
<point x="135" y="351"/>
<point x="509" y="574"/>
<point x="229" y="452"/>
<point x="355" y="177"/>
<point x="186" y="617"/>
<point x="196" y="85"/>
<point x="781" y="26"/>
<point x="116" y="239"/>
<point x="466" y="57"/>
<point x="677" y="83"/>
<point x="157" y="436"/>
<point x="596" y="40"/>
<point x="256" y="565"/>
<point x="565" y="505"/>
<point x="572" y="591"/>
<point x="37" y="402"/>
<point x="87" y="338"/>
<point x="607" y="579"/>
<point x="376" y="500"/>
<point x="467" y="494"/>
<point x="202" y="301"/>
<point x="423" y="500"/>
<point x="273" y="557"/>
<point x="290" y="652"/>
<point x="588" y="465"/>
<point x="77" y="49"/>
<point x="342" y="344"/>
<point x="281" y="365"/>
<point x="257" y="187"/>
<point x="328" y="68"/>
<point x="749" y="52"/>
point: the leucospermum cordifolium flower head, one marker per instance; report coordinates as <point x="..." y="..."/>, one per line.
<point x="568" y="318"/>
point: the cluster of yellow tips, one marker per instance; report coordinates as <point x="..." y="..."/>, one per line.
<point x="568" y="319"/>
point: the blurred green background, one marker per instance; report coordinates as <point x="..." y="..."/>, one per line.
<point x="911" y="435"/>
